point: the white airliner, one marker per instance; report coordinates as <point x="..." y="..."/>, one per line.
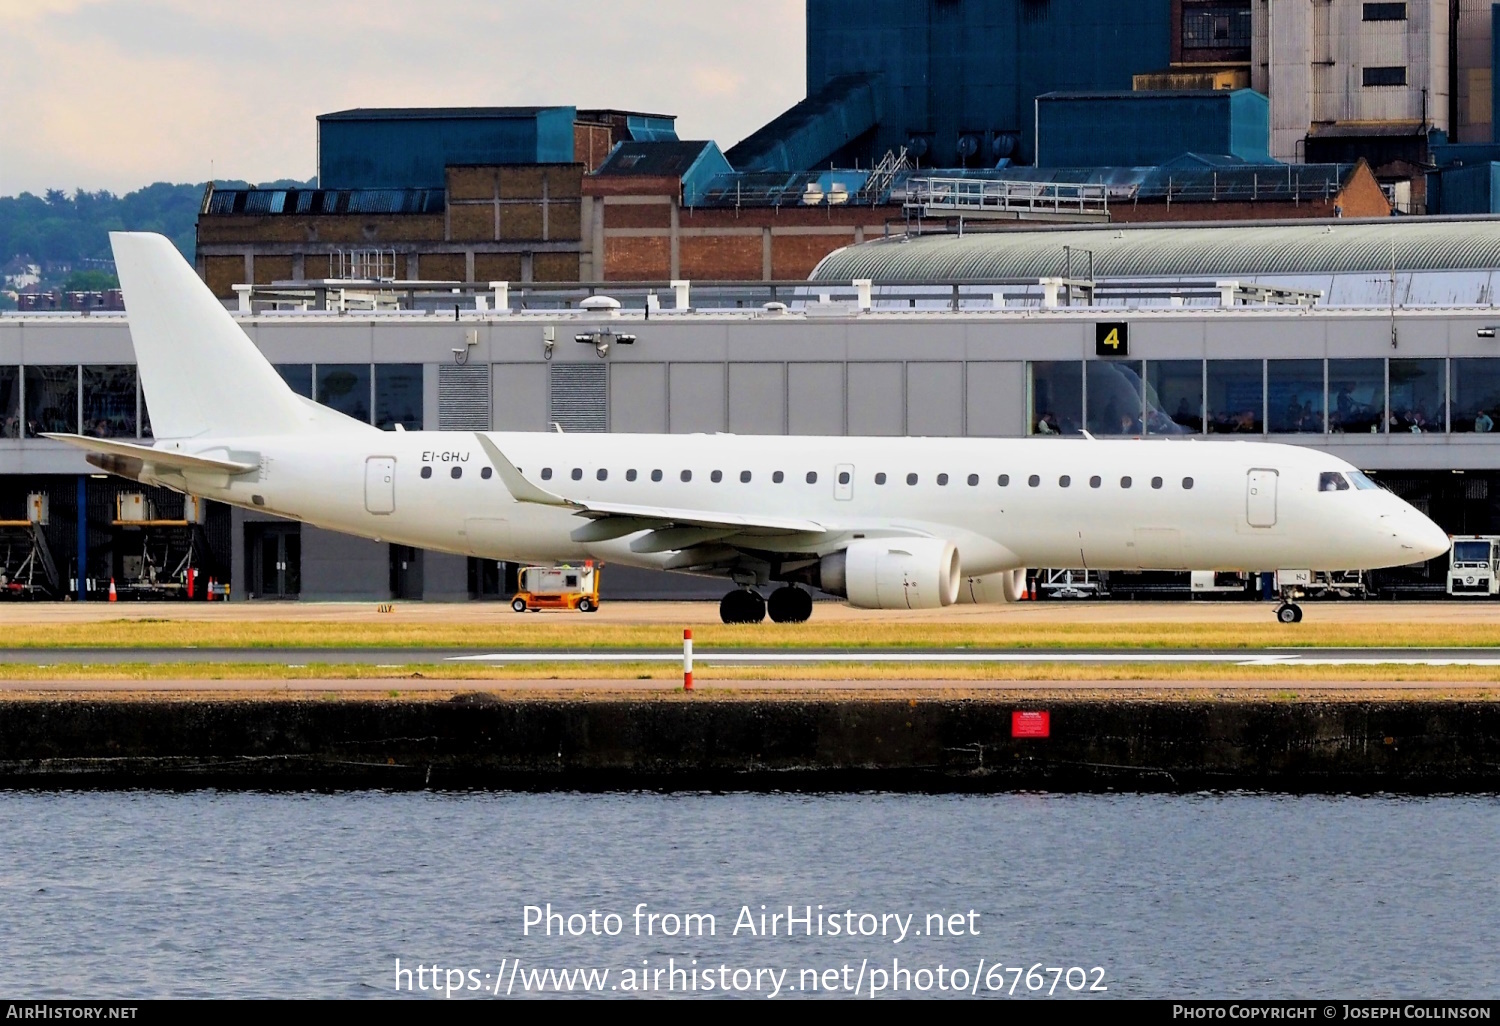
<point x="889" y="523"/>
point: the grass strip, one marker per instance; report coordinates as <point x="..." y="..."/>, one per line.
<point x="1479" y="676"/>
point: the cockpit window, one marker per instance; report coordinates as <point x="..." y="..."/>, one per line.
<point x="1332" y="481"/>
<point x="1362" y="482"/>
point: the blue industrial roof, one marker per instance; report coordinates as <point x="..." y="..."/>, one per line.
<point x="1189" y="177"/>
<point x="809" y="133"/>
<point x="433" y="113"/>
<point x="695" y="164"/>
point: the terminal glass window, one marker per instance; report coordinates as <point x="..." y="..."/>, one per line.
<point x="398" y="396"/>
<point x="51" y="399"/>
<point x="145" y="417"/>
<point x="1419" y="395"/>
<point x="1294" y="396"/>
<point x="1114" y="397"/>
<point x="109" y="401"/>
<point x="298" y="377"/>
<point x="1055" y="396"/>
<point x="1174" y="397"/>
<point x="10" y="402"/>
<point x="345" y="387"/>
<point x="1356" y="396"/>
<point x="1475" y="392"/>
<point x="1235" y="402"/>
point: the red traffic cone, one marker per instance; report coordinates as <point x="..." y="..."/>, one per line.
<point x="210" y="596"/>
<point x="112" y="596"/>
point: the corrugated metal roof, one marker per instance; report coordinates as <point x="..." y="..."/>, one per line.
<point x="1415" y="244"/>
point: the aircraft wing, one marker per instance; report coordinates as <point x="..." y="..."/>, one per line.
<point x="628" y="519"/>
<point x="165" y="458"/>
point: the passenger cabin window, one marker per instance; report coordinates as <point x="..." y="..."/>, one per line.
<point x="880" y="478"/>
<point x="457" y="472"/>
<point x="716" y="476"/>
<point x="656" y="475"/>
<point x="577" y="474"/>
<point x="1187" y="483"/>
<point x="487" y="473"/>
<point x="1004" y="481"/>
<point x="973" y="480"/>
<point x="546" y="473"/>
<point x="1124" y="482"/>
<point x="1033" y="480"/>
<point x="686" y="475"/>
<point x="426" y="473"/>
<point x="1095" y="481"/>
<point x="1064" y="481"/>
<point x="630" y="474"/>
<point x="1156" y="482"/>
<point x="778" y="477"/>
<point x="843" y="477"/>
<point x="744" y="477"/>
<point x="911" y="479"/>
<point x="812" y="477"/>
<point x="1332" y="481"/>
<point x="602" y="474"/>
<point x="942" y="480"/>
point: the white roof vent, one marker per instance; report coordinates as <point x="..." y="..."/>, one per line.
<point x="774" y="309"/>
<point x="606" y="305"/>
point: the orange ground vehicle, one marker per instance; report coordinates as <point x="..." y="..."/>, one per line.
<point x="558" y="587"/>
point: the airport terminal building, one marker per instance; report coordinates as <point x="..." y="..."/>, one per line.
<point x="940" y="337"/>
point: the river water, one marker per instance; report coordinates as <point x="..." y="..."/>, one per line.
<point x="151" y="894"/>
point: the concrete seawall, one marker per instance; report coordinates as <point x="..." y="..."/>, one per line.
<point x="780" y="742"/>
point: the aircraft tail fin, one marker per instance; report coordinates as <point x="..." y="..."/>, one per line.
<point x="200" y="372"/>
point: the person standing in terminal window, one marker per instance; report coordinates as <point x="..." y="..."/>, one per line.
<point x="1482" y="422"/>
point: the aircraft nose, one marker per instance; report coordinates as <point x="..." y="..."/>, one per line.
<point x="1416" y="535"/>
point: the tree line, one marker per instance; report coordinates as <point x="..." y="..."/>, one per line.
<point x="61" y="229"/>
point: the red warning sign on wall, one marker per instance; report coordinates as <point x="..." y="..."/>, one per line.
<point x="1030" y="724"/>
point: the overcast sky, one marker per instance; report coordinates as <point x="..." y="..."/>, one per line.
<point x="116" y="94"/>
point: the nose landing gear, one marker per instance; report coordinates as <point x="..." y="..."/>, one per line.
<point x="742" y="606"/>
<point x="1289" y="611"/>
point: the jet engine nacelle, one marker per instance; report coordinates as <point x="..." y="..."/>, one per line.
<point x="1006" y="586"/>
<point x="894" y="573"/>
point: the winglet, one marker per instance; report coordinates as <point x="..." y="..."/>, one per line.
<point x="520" y="488"/>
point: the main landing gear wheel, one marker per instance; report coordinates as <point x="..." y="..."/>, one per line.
<point x="1290" y="612"/>
<point x="789" y="605"/>
<point x="742" y="606"/>
<point x="519" y="605"/>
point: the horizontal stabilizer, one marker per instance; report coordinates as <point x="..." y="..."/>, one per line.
<point x="162" y="458"/>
